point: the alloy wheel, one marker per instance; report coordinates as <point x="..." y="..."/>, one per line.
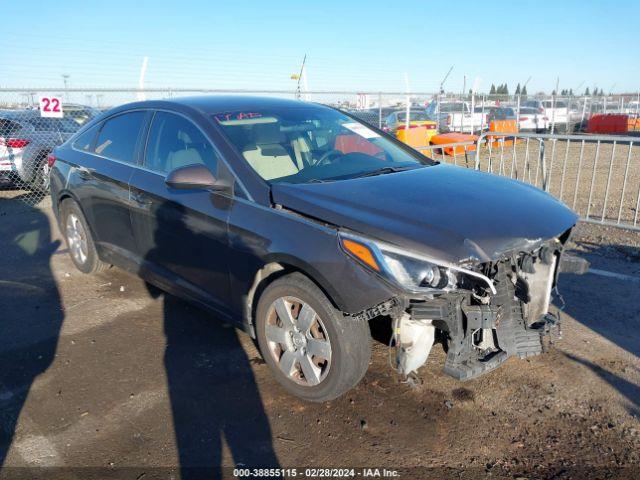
<point x="298" y="341"/>
<point x="77" y="239"/>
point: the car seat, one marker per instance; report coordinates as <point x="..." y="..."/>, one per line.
<point x="267" y="155"/>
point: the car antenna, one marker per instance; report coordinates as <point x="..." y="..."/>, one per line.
<point x="299" y="78"/>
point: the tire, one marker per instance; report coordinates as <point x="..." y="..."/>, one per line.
<point x="349" y="340"/>
<point x="39" y="179"/>
<point x="77" y="235"/>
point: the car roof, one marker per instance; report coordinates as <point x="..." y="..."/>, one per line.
<point x="19" y="114"/>
<point x="212" y="104"/>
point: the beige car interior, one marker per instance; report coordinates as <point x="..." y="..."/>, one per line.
<point x="187" y="155"/>
<point x="267" y="155"/>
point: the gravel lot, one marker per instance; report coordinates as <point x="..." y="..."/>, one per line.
<point x="101" y="371"/>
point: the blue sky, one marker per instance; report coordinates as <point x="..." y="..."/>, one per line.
<point x="350" y="45"/>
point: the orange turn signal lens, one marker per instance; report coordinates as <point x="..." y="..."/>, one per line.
<point x="361" y="252"/>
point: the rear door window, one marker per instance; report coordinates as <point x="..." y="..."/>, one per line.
<point x="176" y="142"/>
<point x="118" y="137"/>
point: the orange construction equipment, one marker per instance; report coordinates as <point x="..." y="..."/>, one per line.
<point x="502" y="126"/>
<point x="454" y="137"/>
<point x="634" y="124"/>
<point x="417" y="135"/>
<point x="608" y="123"/>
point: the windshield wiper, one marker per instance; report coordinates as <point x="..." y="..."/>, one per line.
<point x="381" y="171"/>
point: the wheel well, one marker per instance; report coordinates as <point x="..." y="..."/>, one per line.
<point x="263" y="278"/>
<point x="63" y="198"/>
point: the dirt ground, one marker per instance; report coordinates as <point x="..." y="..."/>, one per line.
<point x="102" y="377"/>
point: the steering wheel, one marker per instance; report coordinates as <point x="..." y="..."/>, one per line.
<point x="324" y="159"/>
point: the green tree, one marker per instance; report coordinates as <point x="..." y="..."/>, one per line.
<point x="524" y="91"/>
<point x="492" y="91"/>
<point x="587" y="92"/>
<point x="518" y="90"/>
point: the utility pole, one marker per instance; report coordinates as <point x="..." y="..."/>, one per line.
<point x="65" y="79"/>
<point x="143" y="71"/>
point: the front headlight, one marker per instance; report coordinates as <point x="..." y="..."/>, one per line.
<point x="416" y="274"/>
<point x="409" y="270"/>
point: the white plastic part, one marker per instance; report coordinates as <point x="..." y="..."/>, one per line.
<point x="415" y="339"/>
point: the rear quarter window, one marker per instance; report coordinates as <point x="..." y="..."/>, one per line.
<point x="84" y="142"/>
<point x="119" y="135"/>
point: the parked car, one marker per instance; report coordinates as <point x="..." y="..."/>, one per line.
<point x="500" y="113"/>
<point x="456" y="117"/>
<point x="25" y="141"/>
<point x="533" y="121"/>
<point x="249" y="208"/>
<point x="80" y="114"/>
<point x="398" y="119"/>
<point x="372" y="116"/>
<point x="558" y="112"/>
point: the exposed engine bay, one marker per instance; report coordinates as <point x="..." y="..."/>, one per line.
<point x="479" y="326"/>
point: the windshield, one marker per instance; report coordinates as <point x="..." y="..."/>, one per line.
<point x="64" y="125"/>
<point x="311" y="144"/>
<point x="452" y="107"/>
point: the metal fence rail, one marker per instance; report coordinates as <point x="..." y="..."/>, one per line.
<point x="598" y="176"/>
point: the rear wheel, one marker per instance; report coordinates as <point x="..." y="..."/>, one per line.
<point x="40" y="177"/>
<point x="76" y="233"/>
<point x="314" y="351"/>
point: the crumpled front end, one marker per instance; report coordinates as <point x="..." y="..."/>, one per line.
<point x="481" y="328"/>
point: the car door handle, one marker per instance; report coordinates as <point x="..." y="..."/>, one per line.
<point x="84" y="173"/>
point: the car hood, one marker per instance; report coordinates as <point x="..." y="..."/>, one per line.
<point x="452" y="213"/>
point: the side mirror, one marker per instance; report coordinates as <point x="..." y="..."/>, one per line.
<point x="195" y="176"/>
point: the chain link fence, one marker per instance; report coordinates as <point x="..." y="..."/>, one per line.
<point x="598" y="177"/>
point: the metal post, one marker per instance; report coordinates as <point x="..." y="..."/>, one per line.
<point x="473" y="107"/>
<point x="593" y="179"/>
<point x="606" y="192"/>
<point x="518" y="112"/>
<point x="624" y="182"/>
<point x="553" y="114"/>
<point x="380" y="110"/>
<point x="635" y="123"/>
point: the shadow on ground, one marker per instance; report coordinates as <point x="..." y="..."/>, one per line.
<point x="629" y="390"/>
<point x="212" y="389"/>
<point x="31" y="314"/>
<point x="618" y="320"/>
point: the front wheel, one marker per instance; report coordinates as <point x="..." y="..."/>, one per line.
<point x="313" y="350"/>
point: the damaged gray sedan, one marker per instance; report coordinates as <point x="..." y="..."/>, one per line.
<point x="302" y="225"/>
